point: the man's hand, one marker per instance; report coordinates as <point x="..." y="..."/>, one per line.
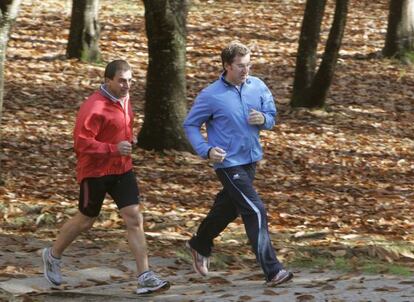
<point x="216" y="154"/>
<point x="124" y="148"/>
<point x="256" y="118"/>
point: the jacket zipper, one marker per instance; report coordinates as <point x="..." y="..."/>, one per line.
<point x="124" y="111"/>
<point x="245" y="117"/>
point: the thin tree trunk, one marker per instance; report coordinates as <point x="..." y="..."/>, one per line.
<point x="9" y="10"/>
<point x="400" y="32"/>
<point x="307" y="50"/>
<point x="84" y="32"/>
<point x="311" y="89"/>
<point x="165" y="95"/>
<point x="323" y="78"/>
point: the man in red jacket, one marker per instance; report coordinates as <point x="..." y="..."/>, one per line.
<point x="102" y="139"/>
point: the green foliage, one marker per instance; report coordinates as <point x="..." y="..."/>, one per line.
<point x="45" y="219"/>
<point x="396" y="269"/>
<point x="404" y="58"/>
<point x="183" y="255"/>
<point x="21" y="221"/>
<point x="362" y="264"/>
<point x="90" y="55"/>
<point x="2" y="208"/>
<point x="408" y="58"/>
<point x="305" y="262"/>
<point x="221" y="261"/>
<point x="342" y="264"/>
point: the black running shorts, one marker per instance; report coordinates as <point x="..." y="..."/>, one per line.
<point x="122" y="188"/>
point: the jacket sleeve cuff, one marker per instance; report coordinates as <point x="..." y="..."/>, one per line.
<point x="208" y="152"/>
<point x="113" y="149"/>
<point x="268" y="122"/>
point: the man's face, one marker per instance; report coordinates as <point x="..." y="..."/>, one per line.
<point x="238" y="71"/>
<point x="121" y="83"/>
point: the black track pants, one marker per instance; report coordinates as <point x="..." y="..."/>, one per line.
<point x="238" y="196"/>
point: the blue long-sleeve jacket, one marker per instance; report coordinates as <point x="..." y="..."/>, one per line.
<point x="225" y="110"/>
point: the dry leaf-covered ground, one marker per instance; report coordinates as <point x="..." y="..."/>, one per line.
<point x="339" y="179"/>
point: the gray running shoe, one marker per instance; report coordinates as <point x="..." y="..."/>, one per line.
<point x="149" y="282"/>
<point x="51" y="267"/>
<point x="281" y="277"/>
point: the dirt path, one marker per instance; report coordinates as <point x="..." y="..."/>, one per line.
<point x="105" y="278"/>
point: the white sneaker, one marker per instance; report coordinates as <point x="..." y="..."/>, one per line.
<point x="149" y="282"/>
<point x="281" y="277"/>
<point x="51" y="267"/>
<point x="200" y="262"/>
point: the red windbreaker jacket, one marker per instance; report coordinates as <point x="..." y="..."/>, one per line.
<point x="100" y="125"/>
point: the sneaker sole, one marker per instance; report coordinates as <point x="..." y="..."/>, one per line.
<point x="192" y="256"/>
<point x="44" y="257"/>
<point x="151" y="290"/>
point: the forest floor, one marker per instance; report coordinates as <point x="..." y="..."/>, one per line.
<point x="337" y="183"/>
<point x="102" y="271"/>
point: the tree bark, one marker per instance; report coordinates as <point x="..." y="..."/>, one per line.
<point x="399" y="40"/>
<point x="9" y="10"/>
<point x="165" y="95"/>
<point x="323" y="78"/>
<point x="307" y="49"/>
<point x="84" y="32"/>
<point x="313" y="92"/>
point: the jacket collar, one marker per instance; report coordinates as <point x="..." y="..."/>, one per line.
<point x="105" y="92"/>
<point x="227" y="83"/>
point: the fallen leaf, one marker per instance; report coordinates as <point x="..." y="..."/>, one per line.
<point x="305" y="298"/>
<point x="388" y="289"/>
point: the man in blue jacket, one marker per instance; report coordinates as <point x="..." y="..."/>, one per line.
<point x="234" y="109"/>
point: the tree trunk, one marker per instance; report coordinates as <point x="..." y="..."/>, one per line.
<point x="312" y="92"/>
<point x="323" y="78"/>
<point x="399" y="40"/>
<point x="165" y="95"/>
<point x="307" y="50"/>
<point x="9" y="10"/>
<point x="84" y="32"/>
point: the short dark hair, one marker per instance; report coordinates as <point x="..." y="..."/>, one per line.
<point x="114" y="66"/>
<point x="233" y="50"/>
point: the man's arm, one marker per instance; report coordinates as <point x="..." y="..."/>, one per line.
<point x="88" y="126"/>
<point x="198" y="115"/>
<point x="268" y="110"/>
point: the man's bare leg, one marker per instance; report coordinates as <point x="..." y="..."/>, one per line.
<point x="136" y="236"/>
<point x="70" y="230"/>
